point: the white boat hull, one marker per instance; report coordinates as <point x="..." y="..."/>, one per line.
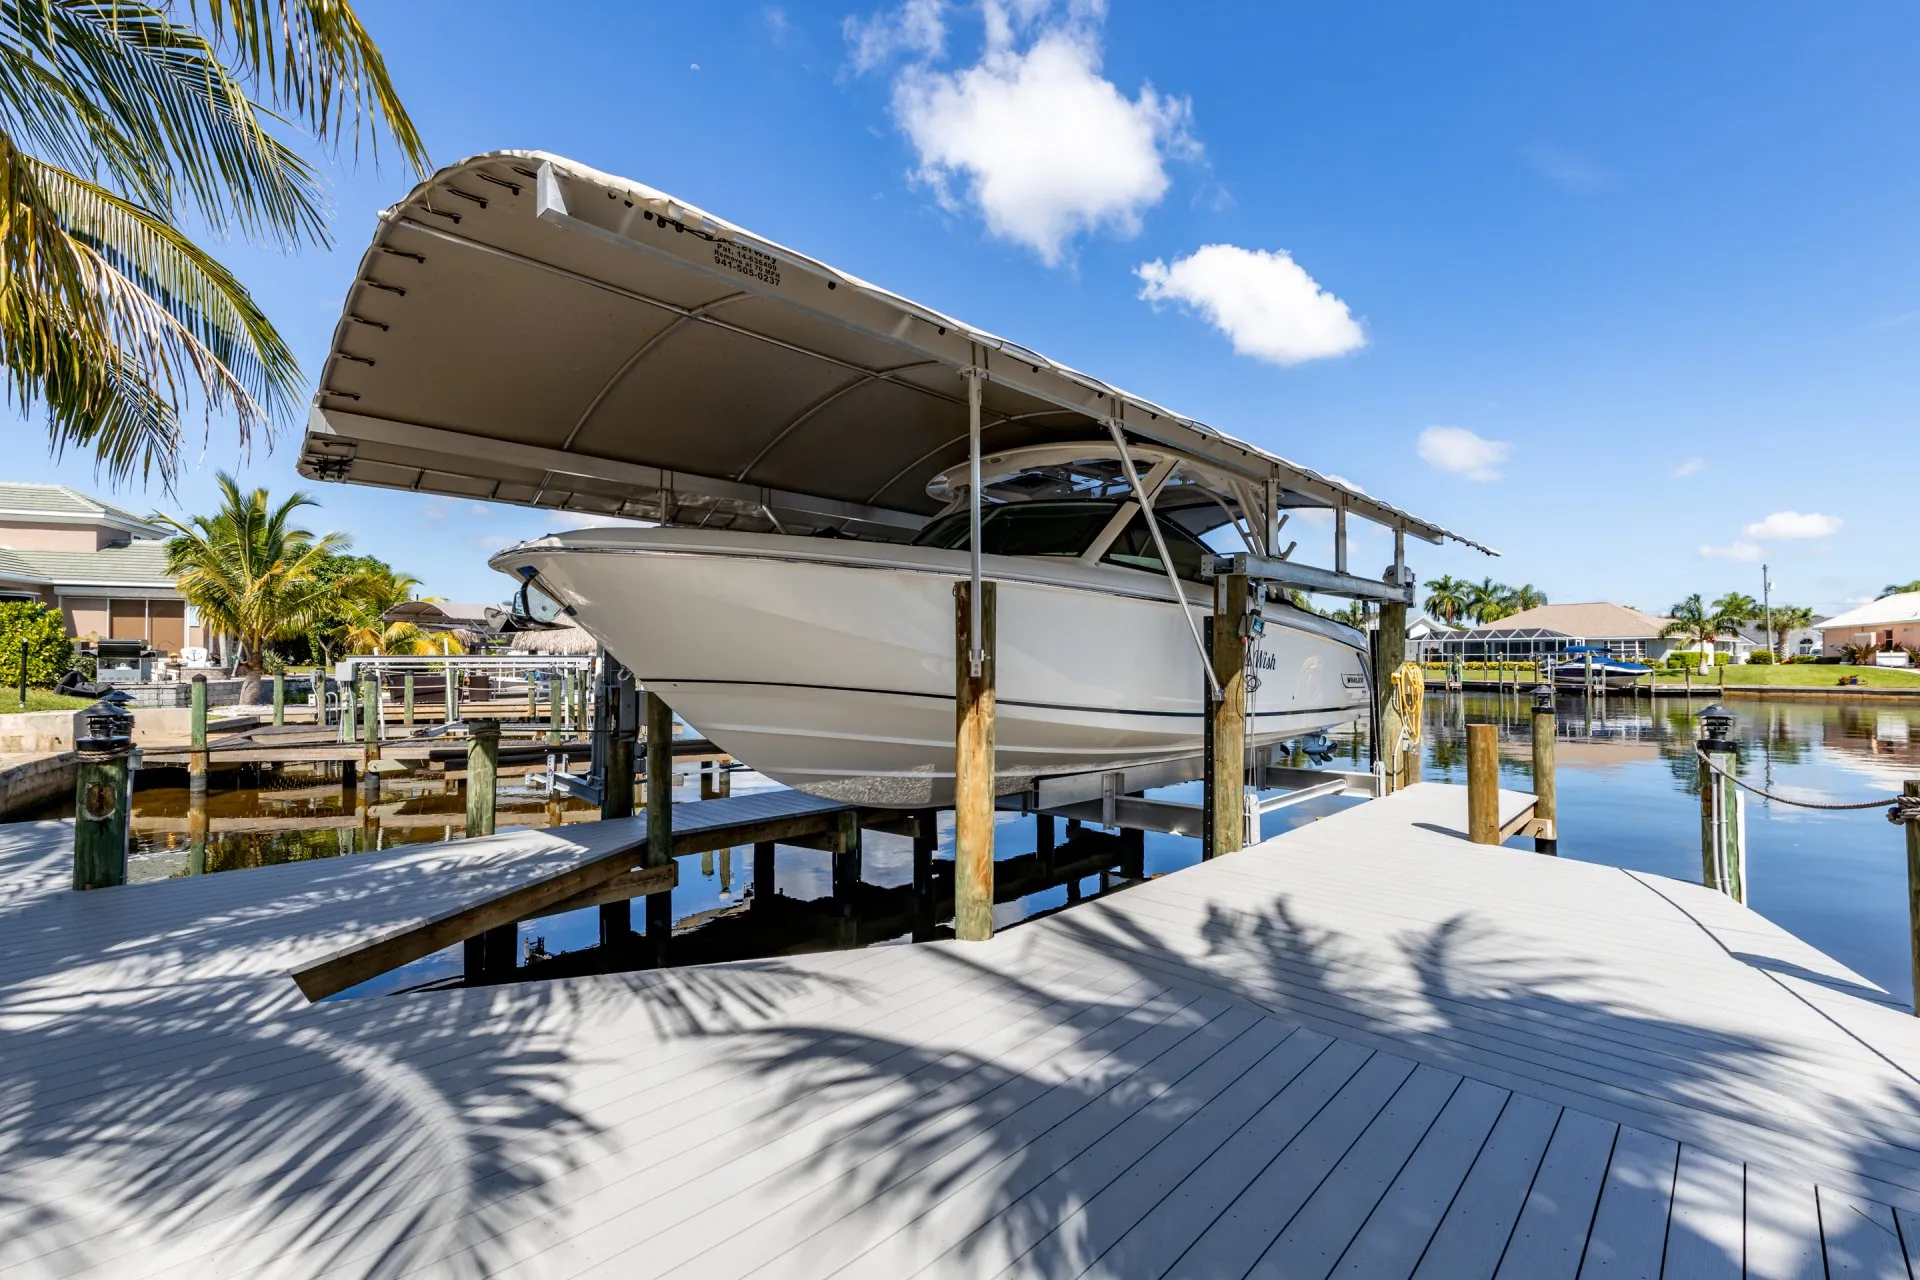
<point x="829" y="665"/>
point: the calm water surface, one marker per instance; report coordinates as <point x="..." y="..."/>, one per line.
<point x="1627" y="798"/>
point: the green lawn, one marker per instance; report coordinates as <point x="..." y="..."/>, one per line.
<point x="39" y="700"/>
<point x="1808" y="674"/>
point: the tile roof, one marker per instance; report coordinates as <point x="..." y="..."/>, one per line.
<point x="18" y="498"/>
<point x="1591" y="621"/>
<point x="138" y="562"/>
<point x="1888" y="611"/>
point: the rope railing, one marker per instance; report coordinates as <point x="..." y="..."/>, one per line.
<point x="1900" y="808"/>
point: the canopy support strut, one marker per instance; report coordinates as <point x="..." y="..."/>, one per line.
<point x="1160" y="545"/>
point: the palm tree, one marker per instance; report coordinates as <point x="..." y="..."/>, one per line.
<point x="1738" y="608"/>
<point x="1786" y="618"/>
<point x="1446" y="599"/>
<point x="1693" y="622"/>
<point x="251" y="574"/>
<point x="119" y="119"/>
<point x="1489" y="601"/>
<point x="370" y="596"/>
<point x="1899" y="588"/>
<point x="1527" y="596"/>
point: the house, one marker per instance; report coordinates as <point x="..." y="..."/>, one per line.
<point x="1551" y="629"/>
<point x="1889" y="622"/>
<point x="104" y="568"/>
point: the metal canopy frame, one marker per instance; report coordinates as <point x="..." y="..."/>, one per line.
<point x="630" y="289"/>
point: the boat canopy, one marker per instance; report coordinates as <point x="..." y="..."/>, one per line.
<point x="524" y="329"/>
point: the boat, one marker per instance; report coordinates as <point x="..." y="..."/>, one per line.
<point x="814" y="451"/>
<point x="1579" y="663"/>
<point x="828" y="664"/>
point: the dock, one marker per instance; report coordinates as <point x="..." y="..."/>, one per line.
<point x="1365" y="1048"/>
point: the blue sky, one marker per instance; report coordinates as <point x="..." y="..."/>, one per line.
<point x="1629" y="292"/>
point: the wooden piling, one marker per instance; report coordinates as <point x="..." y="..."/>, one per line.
<point x="197" y="741"/>
<point x="348" y="716"/>
<point x="452" y="694"/>
<point x="659" y="822"/>
<point x="1911" y="790"/>
<point x="616" y="801"/>
<point x="483" y="775"/>
<point x="1546" y="791"/>
<point x="1388" y="654"/>
<point x="407" y="705"/>
<point x="926" y="837"/>
<point x="101" y="820"/>
<point x="370" y="709"/>
<point x="1226" y="791"/>
<point x="763" y="873"/>
<point x="1483" y="784"/>
<point x="556" y="703"/>
<point x="1043" y="841"/>
<point x="197" y="831"/>
<point x="846" y="860"/>
<point x="279" y="698"/>
<point x="973" y="767"/>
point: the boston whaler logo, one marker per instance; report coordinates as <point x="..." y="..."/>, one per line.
<point x="1354" y="680"/>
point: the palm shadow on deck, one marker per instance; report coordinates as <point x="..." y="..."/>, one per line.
<point x="1269" y="1105"/>
<point x="196" y="1106"/>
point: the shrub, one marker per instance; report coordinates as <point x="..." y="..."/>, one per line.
<point x="49" y="649"/>
<point x="1760" y="658"/>
<point x="1722" y="659"/>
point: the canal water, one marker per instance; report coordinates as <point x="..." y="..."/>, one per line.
<point x="1628" y="797"/>
<point x="1627" y="793"/>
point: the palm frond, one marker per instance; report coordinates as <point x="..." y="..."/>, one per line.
<point x="150" y="101"/>
<point x="104" y="308"/>
<point x="321" y="62"/>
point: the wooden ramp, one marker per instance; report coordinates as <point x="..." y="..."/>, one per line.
<point x="1364" y="1049"/>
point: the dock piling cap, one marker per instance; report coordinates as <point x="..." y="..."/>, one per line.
<point x="1716" y="722"/>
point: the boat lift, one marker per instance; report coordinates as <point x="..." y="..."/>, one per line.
<point x="524" y="329"/>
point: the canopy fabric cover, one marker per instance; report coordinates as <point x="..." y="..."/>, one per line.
<point x="524" y="329"/>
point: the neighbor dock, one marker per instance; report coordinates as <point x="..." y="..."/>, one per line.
<point x="1366" y="1048"/>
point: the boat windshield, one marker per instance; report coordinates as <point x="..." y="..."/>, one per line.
<point x="1024" y="529"/>
<point x="1134" y="549"/>
<point x="1067" y="529"/>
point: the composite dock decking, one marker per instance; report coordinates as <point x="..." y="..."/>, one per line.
<point x="1363" y="1049"/>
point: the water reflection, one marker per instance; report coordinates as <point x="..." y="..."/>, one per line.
<point x="1629" y="796"/>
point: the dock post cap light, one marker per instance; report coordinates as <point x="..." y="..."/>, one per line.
<point x="1716" y="722"/>
<point x="109" y="729"/>
<point x="1543" y="697"/>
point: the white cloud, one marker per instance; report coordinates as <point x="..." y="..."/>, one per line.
<point x="917" y="28"/>
<point x="1032" y="136"/>
<point x="1744" y="552"/>
<point x="1784" y="526"/>
<point x="1567" y="170"/>
<point x="1264" y="302"/>
<point x="1460" y="451"/>
<point x="1691" y="467"/>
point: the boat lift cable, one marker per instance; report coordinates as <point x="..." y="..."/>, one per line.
<point x="1160" y="545"/>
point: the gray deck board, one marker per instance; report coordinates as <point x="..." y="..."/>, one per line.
<point x="1628" y="1240"/>
<point x="1706" y="1231"/>
<point x="1390" y="1243"/>
<point x="1479" y="1222"/>
<point x="1326" y="1224"/>
<point x="1364" y="1049"/>
<point x="1550" y="1238"/>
